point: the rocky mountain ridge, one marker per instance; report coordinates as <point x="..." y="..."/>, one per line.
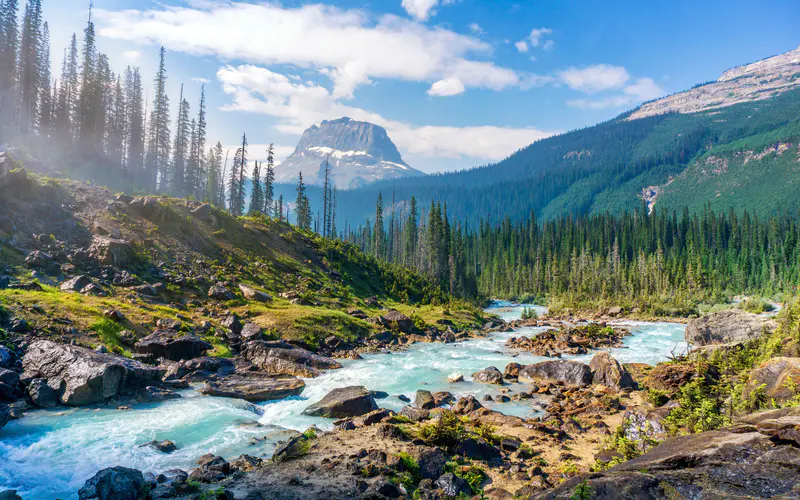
<point x="359" y="153"/>
<point x="751" y="82"/>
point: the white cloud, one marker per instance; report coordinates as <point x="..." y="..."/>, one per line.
<point x="299" y="105"/>
<point x="423" y="9"/>
<point x="132" y="55"/>
<point x="447" y="87"/>
<point x="522" y="46"/>
<point x="351" y="47"/>
<point x="641" y="90"/>
<point x="549" y="45"/>
<point x="538" y="34"/>
<point x="476" y="28"/>
<point x="200" y="80"/>
<point x="593" y="79"/>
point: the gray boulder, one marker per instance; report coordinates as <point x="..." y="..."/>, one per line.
<point x="727" y="327"/>
<point x="251" y="293"/>
<point x="569" y="372"/>
<point x="398" y="321"/>
<point x="219" y="292"/>
<point x="490" y="375"/>
<point x="42" y="394"/>
<point x="115" y="483"/>
<point x="280" y="358"/>
<point x="453" y="486"/>
<point x="83" y="376"/>
<point x="251" y="331"/>
<point x="254" y="386"/>
<point x="110" y="251"/>
<point x="5" y="415"/>
<point x="609" y="372"/>
<point x="6" y="357"/>
<point x="343" y="402"/>
<point x="173" y="345"/>
<point x="76" y="284"/>
<point x="425" y="400"/>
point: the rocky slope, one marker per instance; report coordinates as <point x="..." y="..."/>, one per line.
<point x="752" y="82"/>
<point x="359" y="153"/>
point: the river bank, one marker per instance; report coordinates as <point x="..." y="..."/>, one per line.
<point x="75" y="443"/>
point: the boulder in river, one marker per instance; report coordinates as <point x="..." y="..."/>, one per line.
<point x="5" y="415"/>
<point x="42" y="394"/>
<point x="569" y="372"/>
<point x="727" y="327"/>
<point x="490" y="375"/>
<point x="424" y="400"/>
<point x="280" y="358"/>
<point x="115" y="483"/>
<point x="165" y="446"/>
<point x="254" y="386"/>
<point x="84" y="376"/>
<point x="609" y="372"/>
<point x="343" y="402"/>
<point x="173" y="345"/>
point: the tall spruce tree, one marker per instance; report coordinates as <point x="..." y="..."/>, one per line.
<point x="269" y="181"/>
<point x="379" y="246"/>
<point x="158" y="148"/>
<point x="9" y="47"/>
<point x="302" y="207"/>
<point x="30" y="79"/>
<point x="257" y="191"/>
<point x="180" y="150"/>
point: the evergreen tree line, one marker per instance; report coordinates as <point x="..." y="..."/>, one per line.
<point x="98" y="118"/>
<point x="632" y="258"/>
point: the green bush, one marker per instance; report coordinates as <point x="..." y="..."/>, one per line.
<point x="447" y="430"/>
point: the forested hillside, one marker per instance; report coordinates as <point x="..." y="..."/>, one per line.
<point x="606" y="168"/>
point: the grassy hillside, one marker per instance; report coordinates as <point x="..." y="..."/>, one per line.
<point x="188" y="247"/>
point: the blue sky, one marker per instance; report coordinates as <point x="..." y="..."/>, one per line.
<point x="457" y="83"/>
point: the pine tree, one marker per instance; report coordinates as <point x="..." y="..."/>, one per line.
<point x="197" y="163"/>
<point x="87" y="107"/>
<point x="234" y="181"/>
<point x="279" y="209"/>
<point x="9" y="46"/>
<point x="117" y="127"/>
<point x="257" y="193"/>
<point x="411" y="228"/>
<point x="380" y="237"/>
<point x="213" y="175"/>
<point x="30" y="66"/>
<point x="326" y="193"/>
<point x="134" y="106"/>
<point x="269" y="181"/>
<point x="47" y="91"/>
<point x="158" y="149"/>
<point x="180" y="150"/>
<point x="302" y="207"/>
<point x="67" y="103"/>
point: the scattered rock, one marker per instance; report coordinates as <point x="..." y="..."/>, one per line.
<point x="490" y="375"/>
<point x="778" y="378"/>
<point x="453" y="486"/>
<point x="609" y="372"/>
<point x="171" y="344"/>
<point x="396" y="320"/>
<point x="219" y="292"/>
<point x="109" y="251"/>
<point x="115" y="483"/>
<point x="512" y="371"/>
<point x="343" y="402"/>
<point x="165" y="446"/>
<point x="76" y="284"/>
<point x="455" y="378"/>
<point x="569" y="372"/>
<point x="424" y="400"/>
<point x="431" y="462"/>
<point x="293" y="448"/>
<point x="251" y="293"/>
<point x="251" y="331"/>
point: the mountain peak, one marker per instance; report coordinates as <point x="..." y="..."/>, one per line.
<point x="359" y="153"/>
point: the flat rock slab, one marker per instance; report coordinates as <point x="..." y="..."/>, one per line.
<point x="254" y="387"/>
<point x="725" y="327"/>
<point x="569" y="372"/>
<point x="279" y="358"/>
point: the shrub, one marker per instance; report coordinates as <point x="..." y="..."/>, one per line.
<point x="447" y="430"/>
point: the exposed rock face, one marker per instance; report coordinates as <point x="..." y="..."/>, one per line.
<point x="171" y="344"/>
<point x="358" y="153"/>
<point x="608" y="371"/>
<point x="254" y="386"/>
<point x="115" y="483"/>
<point x="343" y="402"/>
<point x="779" y="378"/>
<point x="751" y="82"/>
<point x="424" y="400"/>
<point x="75" y="284"/>
<point x="569" y="372"/>
<point x="280" y="358"/>
<point x="725" y="327"/>
<point x="5" y="415"/>
<point x="738" y="462"/>
<point x="84" y="376"/>
<point x="43" y="395"/>
<point x="490" y="375"/>
<point x="670" y="377"/>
